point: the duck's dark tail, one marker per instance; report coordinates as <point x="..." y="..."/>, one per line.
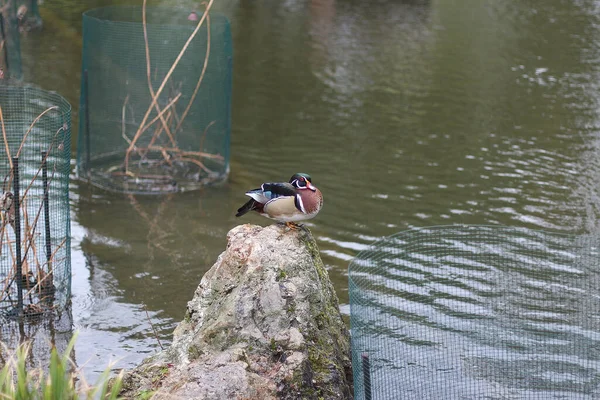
<point x="249" y="206"/>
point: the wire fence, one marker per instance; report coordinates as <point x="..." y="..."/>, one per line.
<point x="35" y="261"/>
<point x="155" y="99"/>
<point x="53" y="331"/>
<point x="476" y="312"/>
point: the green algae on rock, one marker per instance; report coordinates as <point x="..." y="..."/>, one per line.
<point x="264" y="323"/>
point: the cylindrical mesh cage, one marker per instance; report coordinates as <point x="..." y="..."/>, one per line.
<point x="35" y="262"/>
<point x="155" y="114"/>
<point x="476" y="312"/>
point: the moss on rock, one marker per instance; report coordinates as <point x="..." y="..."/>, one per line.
<point x="263" y="323"/>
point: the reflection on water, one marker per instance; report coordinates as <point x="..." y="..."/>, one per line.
<point x="481" y="312"/>
<point x="52" y="331"/>
<point x="405" y="113"/>
<point x="136" y="262"/>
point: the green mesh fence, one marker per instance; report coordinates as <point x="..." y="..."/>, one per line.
<point x="476" y="312"/>
<point x="131" y="144"/>
<point x="35" y="263"/>
<point x="51" y="331"/>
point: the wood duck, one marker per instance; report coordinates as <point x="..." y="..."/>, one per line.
<point x="289" y="202"/>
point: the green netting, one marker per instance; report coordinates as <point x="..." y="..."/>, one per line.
<point x="169" y="149"/>
<point x="54" y="331"/>
<point x="476" y="312"/>
<point x="35" y="263"/>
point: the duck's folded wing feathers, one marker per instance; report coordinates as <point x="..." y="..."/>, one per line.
<point x="270" y="191"/>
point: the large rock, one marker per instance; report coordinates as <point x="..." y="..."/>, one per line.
<point x="264" y="323"/>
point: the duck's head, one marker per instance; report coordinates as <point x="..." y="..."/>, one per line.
<point x="302" y="181"/>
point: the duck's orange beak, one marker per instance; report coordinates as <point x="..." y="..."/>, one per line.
<point x="310" y="186"/>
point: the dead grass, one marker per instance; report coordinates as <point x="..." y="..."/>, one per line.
<point x="166" y="120"/>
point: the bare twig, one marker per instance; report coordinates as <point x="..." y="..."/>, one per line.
<point x="156" y="135"/>
<point x="37" y="173"/>
<point x="27" y="234"/>
<point x="6" y="144"/>
<point x="198" y="163"/>
<point x="35" y="221"/>
<point x="187" y="109"/>
<point x="32" y="125"/>
<point x="30" y="230"/>
<point x="162" y="120"/>
<point x="7" y="148"/>
<point x="123" y="120"/>
<point x="185" y="153"/>
<point x="152" y="325"/>
<point x="204" y="134"/>
<point x="9" y="279"/>
<point x="160" y="115"/>
<point x="166" y="157"/>
<point x="141" y="176"/>
<point x="158" y="131"/>
<point x="49" y="276"/>
<point x="162" y="86"/>
<point x="42" y="282"/>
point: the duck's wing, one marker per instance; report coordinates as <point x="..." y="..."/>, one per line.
<point x="271" y="191"/>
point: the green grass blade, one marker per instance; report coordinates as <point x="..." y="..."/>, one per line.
<point x="59" y="379"/>
<point x="102" y="384"/>
<point x="22" y="375"/>
<point x="6" y="386"/>
<point x="57" y="384"/>
<point x="47" y="388"/>
<point x="117" y="384"/>
<point x="69" y="349"/>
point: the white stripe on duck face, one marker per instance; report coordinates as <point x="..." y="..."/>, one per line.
<point x="300" y="203"/>
<point x="295" y="184"/>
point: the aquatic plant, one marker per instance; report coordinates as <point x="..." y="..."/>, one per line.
<point x="62" y="380"/>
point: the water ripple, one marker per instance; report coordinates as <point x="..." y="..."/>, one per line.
<point x="477" y="302"/>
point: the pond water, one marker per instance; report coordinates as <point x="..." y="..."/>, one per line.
<point x="406" y="114"/>
<point x="477" y="312"/>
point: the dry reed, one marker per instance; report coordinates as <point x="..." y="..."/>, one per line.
<point x="166" y="120"/>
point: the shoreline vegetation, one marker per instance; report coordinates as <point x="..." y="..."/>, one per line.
<point x="63" y="380"/>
